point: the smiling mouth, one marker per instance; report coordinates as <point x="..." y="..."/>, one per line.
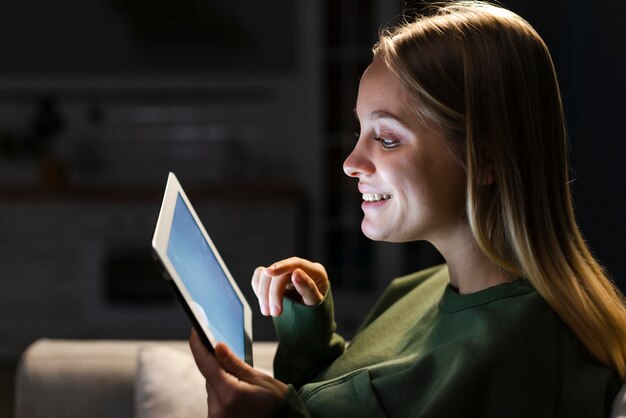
<point x="375" y="197"/>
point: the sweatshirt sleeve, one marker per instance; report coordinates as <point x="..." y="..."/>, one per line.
<point x="307" y="341"/>
<point x="290" y="406"/>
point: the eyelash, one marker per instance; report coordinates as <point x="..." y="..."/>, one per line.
<point x="384" y="143"/>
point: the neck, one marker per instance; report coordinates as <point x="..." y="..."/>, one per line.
<point x="470" y="269"/>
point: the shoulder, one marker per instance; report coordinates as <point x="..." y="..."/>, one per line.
<point x="428" y="284"/>
<point x="523" y="324"/>
<point x="525" y="340"/>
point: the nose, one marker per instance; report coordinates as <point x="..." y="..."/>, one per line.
<point x="357" y="163"/>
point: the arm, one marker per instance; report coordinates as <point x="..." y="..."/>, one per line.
<point x="307" y="341"/>
<point x="296" y="292"/>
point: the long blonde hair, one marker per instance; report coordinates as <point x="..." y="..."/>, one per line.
<point x="484" y="77"/>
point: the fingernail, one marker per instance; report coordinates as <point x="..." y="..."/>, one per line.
<point x="275" y="310"/>
<point x="264" y="309"/>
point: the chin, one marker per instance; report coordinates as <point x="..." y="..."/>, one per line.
<point x="377" y="235"/>
<point x="370" y="233"/>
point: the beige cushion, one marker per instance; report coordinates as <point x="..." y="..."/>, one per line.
<point x="95" y="379"/>
<point x="168" y="383"/>
<point x="65" y="378"/>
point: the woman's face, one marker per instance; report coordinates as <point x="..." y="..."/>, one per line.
<point x="412" y="187"/>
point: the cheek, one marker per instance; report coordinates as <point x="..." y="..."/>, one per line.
<point x="434" y="187"/>
<point x="451" y="191"/>
<point x="418" y="184"/>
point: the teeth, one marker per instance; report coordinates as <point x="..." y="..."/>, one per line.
<point x="375" y="197"/>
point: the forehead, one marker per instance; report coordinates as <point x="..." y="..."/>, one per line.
<point x="381" y="91"/>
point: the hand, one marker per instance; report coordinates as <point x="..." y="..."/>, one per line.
<point x="301" y="280"/>
<point x="234" y="388"/>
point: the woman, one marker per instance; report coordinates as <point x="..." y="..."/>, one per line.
<point x="462" y="144"/>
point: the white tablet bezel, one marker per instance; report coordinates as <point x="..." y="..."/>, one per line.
<point x="159" y="246"/>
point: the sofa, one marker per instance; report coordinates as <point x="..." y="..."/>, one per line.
<point x="126" y="379"/>
<point x="122" y="379"/>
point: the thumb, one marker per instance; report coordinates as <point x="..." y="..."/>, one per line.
<point x="232" y="364"/>
<point x="306" y="287"/>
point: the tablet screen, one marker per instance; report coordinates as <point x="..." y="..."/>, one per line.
<point x="213" y="296"/>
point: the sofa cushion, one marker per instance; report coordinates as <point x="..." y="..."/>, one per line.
<point x="97" y="378"/>
<point x="67" y="378"/>
<point x="168" y="384"/>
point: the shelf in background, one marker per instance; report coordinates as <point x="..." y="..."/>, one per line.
<point x="214" y="191"/>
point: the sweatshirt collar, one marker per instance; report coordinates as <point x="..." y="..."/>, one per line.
<point x="452" y="301"/>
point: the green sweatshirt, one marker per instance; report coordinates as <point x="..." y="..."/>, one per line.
<point x="427" y="351"/>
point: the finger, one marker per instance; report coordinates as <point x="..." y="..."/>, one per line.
<point x="288" y="265"/>
<point x="199" y="352"/>
<point x="277" y="292"/>
<point x="233" y="364"/>
<point x="205" y="361"/>
<point x="316" y="271"/>
<point x="198" y="349"/>
<point x="219" y="383"/>
<point x="262" y="295"/>
<point x="306" y="287"/>
<point x="213" y="401"/>
<point x="256" y="276"/>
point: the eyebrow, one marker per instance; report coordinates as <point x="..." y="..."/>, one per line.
<point x="382" y="114"/>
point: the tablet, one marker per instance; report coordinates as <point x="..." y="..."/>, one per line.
<point x="188" y="259"/>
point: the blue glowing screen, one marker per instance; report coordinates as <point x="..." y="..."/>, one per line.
<point x="215" y="302"/>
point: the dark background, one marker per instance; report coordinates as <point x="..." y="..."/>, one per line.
<point x="250" y="103"/>
<point x="587" y="43"/>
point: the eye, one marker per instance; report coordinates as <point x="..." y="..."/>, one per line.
<point x="387" y="143"/>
